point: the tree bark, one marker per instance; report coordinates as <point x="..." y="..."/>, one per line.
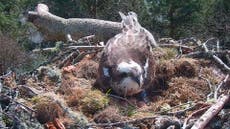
<point x="54" y="28"/>
<point x="211" y="112"/>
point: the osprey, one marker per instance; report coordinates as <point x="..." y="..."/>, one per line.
<point x="127" y="63"/>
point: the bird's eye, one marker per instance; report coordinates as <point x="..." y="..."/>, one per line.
<point x="134" y="20"/>
<point x="122" y="75"/>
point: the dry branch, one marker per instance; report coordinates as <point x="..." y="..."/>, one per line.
<point x="56" y="28"/>
<point x="6" y="75"/>
<point x="216" y="59"/>
<point x="211" y="112"/>
<point x="68" y="59"/>
<point x="13" y="101"/>
<point x="193" y="114"/>
<point x="121" y="98"/>
<point x="221" y="63"/>
<point x="86" y="47"/>
<point x="219" y="86"/>
<point x="44" y="50"/>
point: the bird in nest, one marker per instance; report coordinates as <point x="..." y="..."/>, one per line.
<point x="127" y="62"/>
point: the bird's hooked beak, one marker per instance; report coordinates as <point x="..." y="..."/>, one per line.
<point x="132" y="69"/>
<point x="138" y="80"/>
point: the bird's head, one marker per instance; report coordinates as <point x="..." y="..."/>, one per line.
<point x="41" y="8"/>
<point x="129" y="78"/>
<point x="130" y="21"/>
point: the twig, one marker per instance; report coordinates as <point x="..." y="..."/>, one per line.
<point x="87" y="47"/>
<point x="217" y="59"/>
<point x="61" y="55"/>
<point x="180" y="112"/>
<point x="50" y="49"/>
<point x="205" y="46"/>
<point x="211" y="112"/>
<point x="12" y="100"/>
<point x="82" y="41"/>
<point x="6" y="75"/>
<point x="81" y="56"/>
<point x="211" y="87"/>
<point x="87" y="39"/>
<point x="219" y="86"/>
<point x="121" y="98"/>
<point x="67" y="59"/>
<point x="191" y="115"/>
<point x="165" y="111"/>
<point x="221" y="63"/>
<point x="191" y="39"/>
<point x="122" y="122"/>
<point x="218" y="46"/>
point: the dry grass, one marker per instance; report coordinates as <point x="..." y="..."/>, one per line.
<point x="109" y="114"/>
<point x="182" y="90"/>
<point x="212" y="74"/>
<point x="160" y="104"/>
<point x="87" y="69"/>
<point x="75" y="96"/>
<point x="70" y="82"/>
<point x="47" y="110"/>
<point x="186" y="67"/>
<point x="167" y="69"/>
<point x="165" y="53"/>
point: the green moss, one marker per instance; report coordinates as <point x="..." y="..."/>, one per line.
<point x="165" y="107"/>
<point x="168" y="53"/>
<point x="128" y="111"/>
<point x="35" y="99"/>
<point x="8" y="122"/>
<point x="94" y="101"/>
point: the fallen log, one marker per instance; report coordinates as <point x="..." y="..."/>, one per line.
<point x="55" y="28"/>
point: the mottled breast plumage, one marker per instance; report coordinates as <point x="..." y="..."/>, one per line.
<point x="127" y="59"/>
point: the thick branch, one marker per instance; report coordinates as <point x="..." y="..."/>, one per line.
<point x="56" y="28"/>
<point x="212" y="111"/>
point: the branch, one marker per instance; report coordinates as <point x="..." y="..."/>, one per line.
<point x="211" y="112"/>
<point x="68" y="59"/>
<point x="121" y="98"/>
<point x="193" y="114"/>
<point x="221" y="63"/>
<point x="219" y="86"/>
<point x="86" y="47"/>
<point x="56" y="28"/>
<point x="26" y="108"/>
<point x="6" y="75"/>
<point x="216" y="59"/>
